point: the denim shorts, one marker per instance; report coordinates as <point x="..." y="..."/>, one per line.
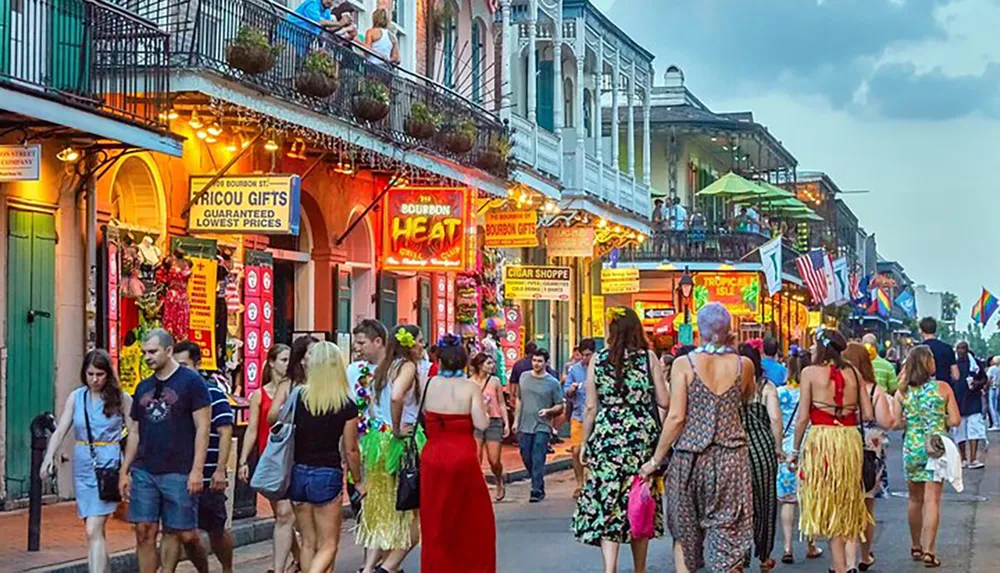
<point x="212" y="512"/>
<point x="315" y="484"/>
<point x="162" y="498"/>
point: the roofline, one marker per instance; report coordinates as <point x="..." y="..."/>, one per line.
<point x="589" y="7"/>
<point x="740" y="126"/>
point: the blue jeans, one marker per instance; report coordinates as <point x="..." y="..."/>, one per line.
<point x="534" y="447"/>
<point x="994" y="407"/>
<point x="162" y="498"/>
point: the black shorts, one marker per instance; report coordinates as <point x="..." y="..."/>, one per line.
<point x="212" y="511"/>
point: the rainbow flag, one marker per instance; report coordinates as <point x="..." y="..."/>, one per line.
<point x="984" y="307"/>
<point x="880" y="302"/>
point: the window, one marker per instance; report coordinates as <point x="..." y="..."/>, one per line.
<point x="588" y="103"/>
<point x="478" y="54"/>
<point x="344" y="302"/>
<point x="449" y="46"/>
<point x="424" y="307"/>
<point x="388" y="312"/>
<point x="568" y="103"/>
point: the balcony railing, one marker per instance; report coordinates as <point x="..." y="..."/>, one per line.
<point x="203" y="32"/>
<point x="669" y="246"/>
<point x="88" y="54"/>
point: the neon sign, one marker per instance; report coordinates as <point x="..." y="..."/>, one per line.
<point x="425" y="229"/>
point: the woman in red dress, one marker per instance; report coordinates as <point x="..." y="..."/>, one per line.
<point x="457" y="526"/>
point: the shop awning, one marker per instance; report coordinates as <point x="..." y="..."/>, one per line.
<point x="732" y="185"/>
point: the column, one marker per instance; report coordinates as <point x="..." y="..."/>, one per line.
<point x="581" y="128"/>
<point x="631" y="123"/>
<point x="598" y="119"/>
<point x="532" y="63"/>
<point x="646" y="159"/>
<point x="557" y="78"/>
<point x="616" y="142"/>
<point x="506" y="50"/>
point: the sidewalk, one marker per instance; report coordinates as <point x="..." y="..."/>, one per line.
<point x="63" y="540"/>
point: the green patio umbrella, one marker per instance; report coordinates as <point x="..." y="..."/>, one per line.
<point x="803" y="216"/>
<point x="732" y="185"/>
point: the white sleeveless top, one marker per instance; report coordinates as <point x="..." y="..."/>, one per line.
<point x="382" y="47"/>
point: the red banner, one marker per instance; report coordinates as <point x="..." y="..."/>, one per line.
<point x="425" y="229"/>
<point x="113" y="303"/>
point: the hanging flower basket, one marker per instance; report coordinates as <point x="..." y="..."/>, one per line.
<point x="422" y="123"/>
<point x="461" y="138"/>
<point x="490" y="160"/>
<point x="251" y="51"/>
<point x="371" y="102"/>
<point x="319" y="75"/>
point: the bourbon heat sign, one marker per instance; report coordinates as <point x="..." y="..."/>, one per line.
<point x="425" y="229"/>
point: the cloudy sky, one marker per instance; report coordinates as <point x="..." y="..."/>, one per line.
<point x="900" y="97"/>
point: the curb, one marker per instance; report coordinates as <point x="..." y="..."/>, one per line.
<point x="256" y="529"/>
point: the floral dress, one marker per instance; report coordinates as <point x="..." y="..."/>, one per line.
<point x="788" y="400"/>
<point x="176" y="311"/>
<point x="624" y="437"/>
<point x="926" y="412"/>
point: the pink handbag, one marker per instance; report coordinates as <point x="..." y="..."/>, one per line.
<point x="641" y="509"/>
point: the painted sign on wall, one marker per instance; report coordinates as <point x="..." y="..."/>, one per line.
<point x="425" y="229"/>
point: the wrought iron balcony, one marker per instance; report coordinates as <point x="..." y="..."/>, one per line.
<point x="88" y="54"/>
<point x="211" y="36"/>
<point x="669" y="246"/>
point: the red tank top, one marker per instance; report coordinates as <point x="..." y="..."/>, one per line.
<point x="263" y="428"/>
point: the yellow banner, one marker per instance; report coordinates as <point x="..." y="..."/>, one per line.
<point x="619" y="281"/>
<point x="252" y="204"/>
<point x="201" y="317"/>
<point x="511" y="229"/>
<point x="597" y="316"/>
<point x="536" y="283"/>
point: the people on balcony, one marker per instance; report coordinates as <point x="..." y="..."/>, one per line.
<point x="380" y="41"/>
<point x="315" y="16"/>
<point x="677" y="215"/>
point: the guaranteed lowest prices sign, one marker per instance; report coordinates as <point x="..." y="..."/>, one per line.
<point x="251" y="204"/>
<point x="425" y="229"/>
<point x="536" y="282"/>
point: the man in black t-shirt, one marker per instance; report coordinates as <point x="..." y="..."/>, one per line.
<point x="167" y="444"/>
<point x="944" y="354"/>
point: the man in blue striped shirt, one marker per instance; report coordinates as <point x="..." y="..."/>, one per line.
<point x="212" y="500"/>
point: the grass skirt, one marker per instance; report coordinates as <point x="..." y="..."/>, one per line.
<point x="831" y="496"/>
<point x="380" y="525"/>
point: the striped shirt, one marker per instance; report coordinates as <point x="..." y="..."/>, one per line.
<point x="222" y="415"/>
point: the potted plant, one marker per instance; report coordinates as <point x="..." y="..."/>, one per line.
<point x="318" y="77"/>
<point x="251" y="51"/>
<point x="371" y="101"/>
<point x="422" y="123"/>
<point x="461" y="138"/>
<point x="497" y="152"/>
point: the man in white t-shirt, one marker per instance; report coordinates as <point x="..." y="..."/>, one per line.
<point x="993" y="375"/>
<point x="677" y="215"/>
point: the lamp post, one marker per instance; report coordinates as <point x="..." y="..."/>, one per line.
<point x="685" y="287"/>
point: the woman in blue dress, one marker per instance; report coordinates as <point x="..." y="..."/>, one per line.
<point x="107" y="407"/>
<point x="788" y="400"/>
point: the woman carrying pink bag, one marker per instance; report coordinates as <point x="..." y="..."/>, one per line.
<point x="642" y="507"/>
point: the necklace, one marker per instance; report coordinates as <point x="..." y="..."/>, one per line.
<point x="451" y="373"/>
<point x="715" y="349"/>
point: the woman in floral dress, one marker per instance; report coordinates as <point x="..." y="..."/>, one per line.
<point x="926" y="407"/>
<point x="625" y="386"/>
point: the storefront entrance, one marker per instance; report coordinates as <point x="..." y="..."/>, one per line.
<point x="31" y="254"/>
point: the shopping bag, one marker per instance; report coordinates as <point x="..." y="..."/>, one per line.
<point x="641" y="509"/>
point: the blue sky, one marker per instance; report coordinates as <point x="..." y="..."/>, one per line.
<point x="901" y="97"/>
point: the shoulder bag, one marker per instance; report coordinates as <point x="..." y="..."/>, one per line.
<point x="274" y="469"/>
<point x="107" y="477"/>
<point x="871" y="465"/>
<point x="408" y="490"/>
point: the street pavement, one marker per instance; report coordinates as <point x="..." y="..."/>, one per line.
<point x="536" y="537"/>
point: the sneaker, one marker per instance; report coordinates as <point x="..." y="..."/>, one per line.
<point x="977" y="465"/>
<point x="535" y="498"/>
<point x="965" y="465"/>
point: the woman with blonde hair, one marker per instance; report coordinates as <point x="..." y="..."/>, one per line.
<point x="379" y="41"/>
<point x="858" y="355"/>
<point x="926" y="407"/>
<point x="324" y="412"/>
<point x="831" y="500"/>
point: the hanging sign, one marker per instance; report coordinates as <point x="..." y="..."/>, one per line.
<point x="20" y="162"/>
<point x="570" y="242"/>
<point x="201" y="318"/>
<point x="258" y="333"/>
<point x="511" y="341"/>
<point x="425" y="229"/>
<point x="511" y="229"/>
<point x="597" y="316"/>
<point x="738" y="292"/>
<point x="619" y="281"/>
<point x="255" y="204"/>
<point x="651" y="312"/>
<point x="536" y="283"/>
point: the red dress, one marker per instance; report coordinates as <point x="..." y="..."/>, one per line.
<point x="458" y="530"/>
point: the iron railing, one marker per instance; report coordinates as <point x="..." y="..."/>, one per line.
<point x="693" y="245"/>
<point x="89" y="54"/>
<point x="204" y="31"/>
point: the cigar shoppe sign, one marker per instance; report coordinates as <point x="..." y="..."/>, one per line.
<point x="252" y="204"/>
<point x="425" y="229"/>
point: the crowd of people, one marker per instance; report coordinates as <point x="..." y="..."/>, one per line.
<point x="404" y="439"/>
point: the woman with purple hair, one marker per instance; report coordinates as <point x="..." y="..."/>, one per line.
<point x="708" y="387"/>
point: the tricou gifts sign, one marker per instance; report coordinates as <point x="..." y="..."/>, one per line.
<point x="425" y="229"/>
<point x="253" y="204"/>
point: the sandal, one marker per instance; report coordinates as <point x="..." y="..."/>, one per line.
<point x="931" y="561"/>
<point x="767" y="565"/>
<point x="863" y="566"/>
<point x="788" y="558"/>
<point x="501" y="493"/>
<point x="814" y="553"/>
<point x="916" y="553"/>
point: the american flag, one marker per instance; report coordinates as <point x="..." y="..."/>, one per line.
<point x="856" y="286"/>
<point x="811" y="267"/>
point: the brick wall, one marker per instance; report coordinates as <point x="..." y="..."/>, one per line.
<point x="423" y="7"/>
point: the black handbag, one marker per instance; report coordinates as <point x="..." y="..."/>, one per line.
<point x="107" y="477"/>
<point x="408" y="490"/>
<point x="871" y="465"/>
